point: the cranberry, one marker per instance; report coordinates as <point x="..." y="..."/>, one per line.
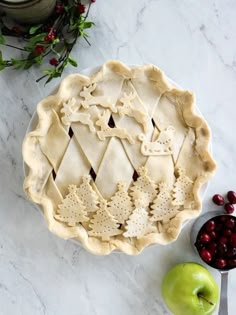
<point x="59" y="8"/>
<point x="39" y="49"/>
<point x="210" y="225"/>
<point x="223" y="239"/>
<point x="223" y="218"/>
<point x="220" y="263"/>
<point x="218" y="227"/>
<point x="231" y="195"/>
<point x="205" y="238"/>
<point x="199" y="244"/>
<point x="212" y="247"/>
<point x="229" y="208"/>
<point x="230" y="223"/>
<point x="222" y="248"/>
<point x="53" y="62"/>
<point x="233" y="239"/>
<point x="81" y="8"/>
<point x="205" y="255"/>
<point x="93" y="1"/>
<point x="218" y="200"/>
<point x="231" y="252"/>
<point x="232" y="263"/>
<point x="227" y="232"/>
<point x="212" y="235"/>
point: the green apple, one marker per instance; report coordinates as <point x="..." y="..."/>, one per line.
<point x="190" y="289"/>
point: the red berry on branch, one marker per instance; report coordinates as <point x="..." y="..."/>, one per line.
<point x="39" y="49"/>
<point x="59" y="9"/>
<point x="16" y="30"/>
<point x="50" y="37"/>
<point x="81" y="8"/>
<point x="53" y="62"/>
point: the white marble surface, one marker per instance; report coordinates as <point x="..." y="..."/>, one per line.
<point x="194" y="42"/>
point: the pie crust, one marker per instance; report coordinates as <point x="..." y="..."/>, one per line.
<point x="118" y="159"/>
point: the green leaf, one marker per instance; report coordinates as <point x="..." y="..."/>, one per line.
<point x="72" y="61"/>
<point x="2" y="39"/>
<point x="35" y="40"/>
<point x="88" y="24"/>
<point x="34" y="29"/>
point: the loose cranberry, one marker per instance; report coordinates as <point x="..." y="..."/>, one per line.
<point x="59" y="8"/>
<point x="212" y="248"/>
<point x="233" y="239"/>
<point x="229" y="208"/>
<point x="39" y="49"/>
<point x="210" y="225"/>
<point x="218" y="199"/>
<point x="222" y="248"/>
<point x="227" y="232"/>
<point x="212" y="235"/>
<point x="231" y="195"/>
<point x="220" y="263"/>
<point x="205" y="238"/>
<point x="205" y="255"/>
<point x="231" y="251"/>
<point x="230" y="223"/>
<point x="232" y="263"/>
<point x="223" y="239"/>
<point x="81" y="8"/>
<point x="53" y="62"/>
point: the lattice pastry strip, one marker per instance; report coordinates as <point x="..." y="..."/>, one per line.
<point x="169" y="114"/>
<point x="115" y="167"/>
<point x="150" y="84"/>
<point x="93" y="148"/>
<point x="56" y="138"/>
<point x="73" y="165"/>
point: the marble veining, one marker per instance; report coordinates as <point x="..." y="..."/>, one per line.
<point x="194" y="43"/>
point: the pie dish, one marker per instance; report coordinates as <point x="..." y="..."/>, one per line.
<point x="118" y="159"/>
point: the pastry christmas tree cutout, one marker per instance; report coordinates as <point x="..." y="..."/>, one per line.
<point x="162" y="208"/>
<point x="89" y="99"/>
<point x="139" y="223"/>
<point x="120" y="206"/>
<point x="103" y="223"/>
<point x="183" y="190"/>
<point x="71" y="211"/>
<point x="87" y="194"/>
<point x="162" y="146"/>
<point x="106" y="131"/>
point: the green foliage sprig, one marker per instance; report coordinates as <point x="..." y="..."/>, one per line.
<point x="52" y="41"/>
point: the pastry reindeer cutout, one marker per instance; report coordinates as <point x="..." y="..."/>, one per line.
<point x="71" y="114"/>
<point x="106" y="131"/>
<point x="162" y="146"/>
<point x="90" y="99"/>
<point x="128" y="109"/>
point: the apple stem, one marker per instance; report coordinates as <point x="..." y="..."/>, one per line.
<point x="203" y="297"/>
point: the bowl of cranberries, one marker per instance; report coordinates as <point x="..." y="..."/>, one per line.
<point x="216" y="242"/>
<point x="214" y="234"/>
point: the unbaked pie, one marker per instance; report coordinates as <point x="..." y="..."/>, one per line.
<point x="117" y="159"/>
